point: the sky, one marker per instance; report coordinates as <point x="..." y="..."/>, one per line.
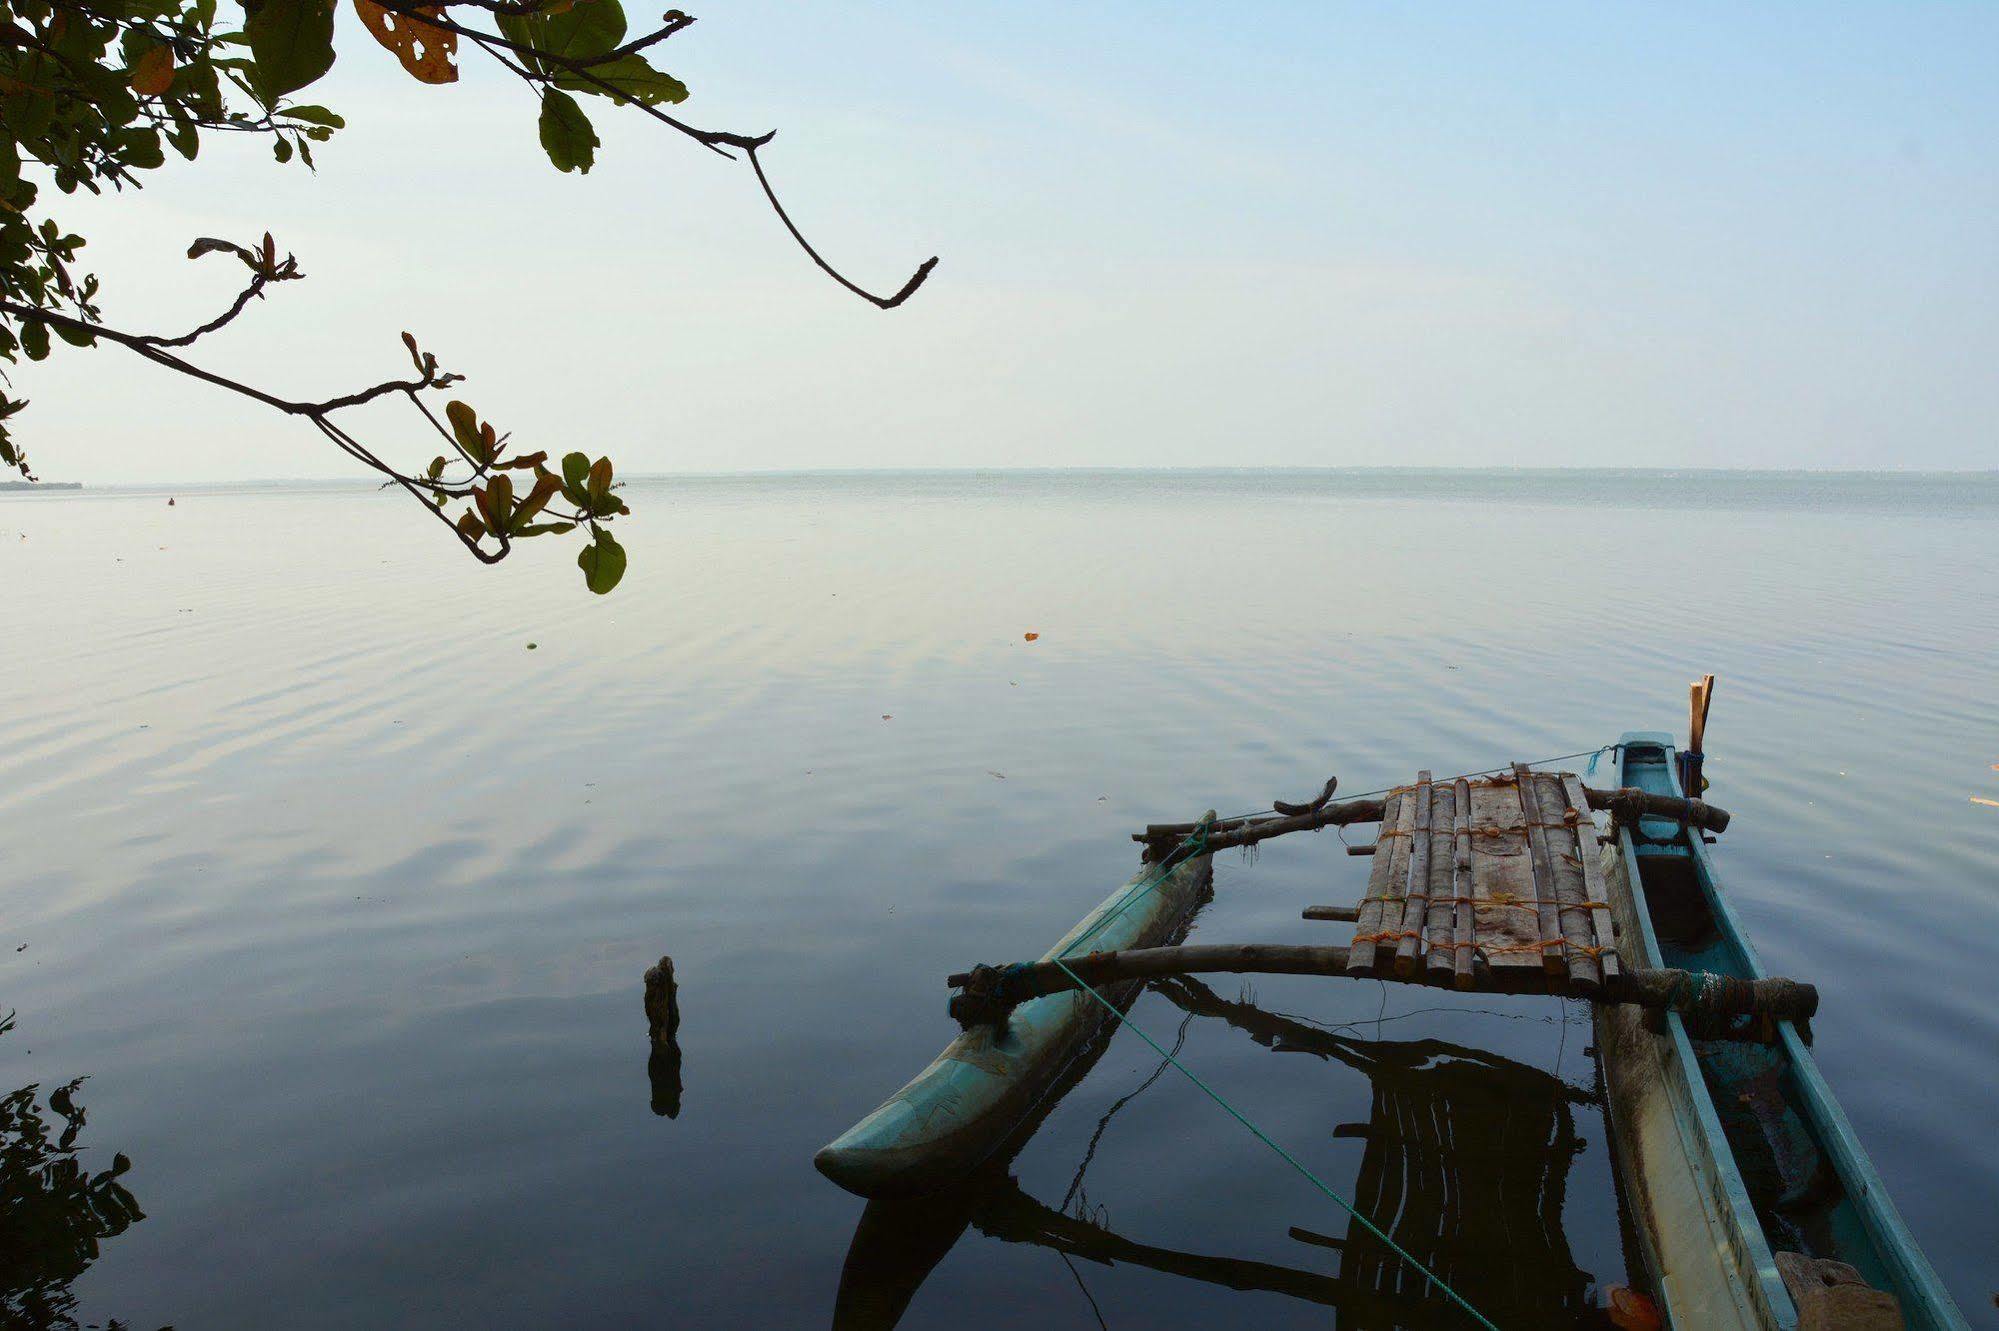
<point x="1261" y="234"/>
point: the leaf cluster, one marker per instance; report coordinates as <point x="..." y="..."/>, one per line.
<point x="94" y="93"/>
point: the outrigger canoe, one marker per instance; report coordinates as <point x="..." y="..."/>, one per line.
<point x="1755" y="1205"/>
<point x="957" y="1111"/>
<point x="1740" y="1168"/>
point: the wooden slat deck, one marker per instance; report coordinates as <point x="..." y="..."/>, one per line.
<point x="1484" y="875"/>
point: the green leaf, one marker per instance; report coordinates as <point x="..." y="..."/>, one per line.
<point x="292" y="41"/>
<point x="465" y="429"/>
<point x="496" y="502"/>
<point x="545" y="487"/>
<point x="138" y="147"/>
<point x="629" y="76"/>
<point x="186" y="139"/>
<point x="566" y="134"/>
<point x="602" y="562"/>
<point x="314" y="115"/>
<point x="587" y="28"/>
<point x="35" y="339"/>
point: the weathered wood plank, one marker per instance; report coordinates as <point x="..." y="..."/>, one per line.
<point x="1416" y="887"/>
<point x="1450" y="928"/>
<point x="1348" y="914"/>
<point x="1463" y="928"/>
<point x="1554" y="958"/>
<point x="1398" y="812"/>
<point x="1437" y="922"/>
<point x="1595" y="888"/>
<point x="1504" y="923"/>
<point x="1579" y="944"/>
<point x="1438" y="933"/>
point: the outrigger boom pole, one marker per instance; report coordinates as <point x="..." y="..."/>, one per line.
<point x="1629" y="803"/>
<point x="988" y="993"/>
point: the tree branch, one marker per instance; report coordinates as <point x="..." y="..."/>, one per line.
<point x="495" y="511"/>
<point x="712" y="139"/>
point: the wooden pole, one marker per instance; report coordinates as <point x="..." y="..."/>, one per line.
<point x="1702" y="698"/>
<point x="1595" y="889"/>
<point x="1629" y="803"/>
<point x="662" y="1007"/>
<point x="1416" y="886"/>
<point x="1555" y="957"/>
<point x="1465" y="927"/>
<point x="991" y="991"/>
<point x="1550" y="805"/>
<point x="1249" y="831"/>
<point x="1377" y="907"/>
<point x="1438" y="930"/>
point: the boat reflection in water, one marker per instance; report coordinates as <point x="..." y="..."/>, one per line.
<point x="1465" y="1165"/>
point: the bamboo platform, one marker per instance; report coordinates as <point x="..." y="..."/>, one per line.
<point x="1486" y="882"/>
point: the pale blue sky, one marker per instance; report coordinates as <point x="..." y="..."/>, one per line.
<point x="1283" y="234"/>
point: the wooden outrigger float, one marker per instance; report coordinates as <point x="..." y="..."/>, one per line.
<point x="957" y="1111"/>
<point x="1755" y="1204"/>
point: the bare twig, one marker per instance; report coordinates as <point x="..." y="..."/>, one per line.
<point x="714" y="140"/>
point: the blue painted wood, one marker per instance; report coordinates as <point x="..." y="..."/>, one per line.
<point x="1858" y="1224"/>
<point x="957" y="1111"/>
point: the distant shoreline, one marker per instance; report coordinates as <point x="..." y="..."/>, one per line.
<point x="1094" y="472"/>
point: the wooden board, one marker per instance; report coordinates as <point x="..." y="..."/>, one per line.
<point x="1505" y="922"/>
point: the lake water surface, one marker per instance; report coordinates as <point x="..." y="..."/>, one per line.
<point x="339" y="895"/>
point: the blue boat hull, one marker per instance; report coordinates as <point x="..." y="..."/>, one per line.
<point x="1731" y="1151"/>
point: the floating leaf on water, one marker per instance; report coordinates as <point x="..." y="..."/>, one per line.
<point x="1031" y="637"/>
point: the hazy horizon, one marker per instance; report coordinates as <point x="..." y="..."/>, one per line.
<point x="1452" y="236"/>
<point x="364" y="481"/>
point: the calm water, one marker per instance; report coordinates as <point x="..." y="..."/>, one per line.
<point x="339" y="896"/>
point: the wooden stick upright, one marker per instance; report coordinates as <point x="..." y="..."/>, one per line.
<point x="1700" y="698"/>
